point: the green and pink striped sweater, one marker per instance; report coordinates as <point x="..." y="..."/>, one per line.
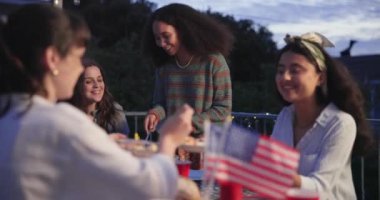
<point x="205" y="86"/>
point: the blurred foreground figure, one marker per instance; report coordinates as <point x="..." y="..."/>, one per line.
<point x="52" y="150"/>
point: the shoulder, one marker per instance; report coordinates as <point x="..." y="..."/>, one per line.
<point x="57" y="120"/>
<point x="62" y="117"/>
<point x="286" y="112"/>
<point x="117" y="106"/>
<point x="336" y="124"/>
<point x="119" y="114"/>
<point x="332" y="115"/>
<point x="217" y="59"/>
<point x="69" y="111"/>
<point x="216" y="63"/>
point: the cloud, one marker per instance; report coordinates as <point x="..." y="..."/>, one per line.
<point x="340" y="20"/>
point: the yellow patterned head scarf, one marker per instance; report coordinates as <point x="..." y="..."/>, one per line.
<point x="309" y="40"/>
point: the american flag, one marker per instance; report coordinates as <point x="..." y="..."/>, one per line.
<point x="242" y="156"/>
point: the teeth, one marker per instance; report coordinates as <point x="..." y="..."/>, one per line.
<point x="167" y="49"/>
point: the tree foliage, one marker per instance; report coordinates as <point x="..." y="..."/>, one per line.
<point x="117" y="27"/>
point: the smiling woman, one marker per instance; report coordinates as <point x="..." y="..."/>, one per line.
<point x="91" y="95"/>
<point x="188" y="49"/>
<point x="324" y="118"/>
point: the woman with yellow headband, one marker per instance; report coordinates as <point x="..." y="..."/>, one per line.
<point x="324" y="117"/>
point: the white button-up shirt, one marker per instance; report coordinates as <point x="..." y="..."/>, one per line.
<point x="325" y="151"/>
<point x="54" y="151"/>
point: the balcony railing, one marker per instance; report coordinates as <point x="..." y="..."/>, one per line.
<point x="365" y="170"/>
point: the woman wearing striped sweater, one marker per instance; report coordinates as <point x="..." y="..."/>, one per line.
<point x="188" y="49"/>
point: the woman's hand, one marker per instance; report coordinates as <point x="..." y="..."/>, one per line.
<point x="117" y="136"/>
<point x="150" y="123"/>
<point x="175" y="130"/>
<point x="296" y="181"/>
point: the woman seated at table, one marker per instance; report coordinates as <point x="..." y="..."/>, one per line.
<point x="325" y="117"/>
<point x="52" y="150"/>
<point x="91" y="95"/>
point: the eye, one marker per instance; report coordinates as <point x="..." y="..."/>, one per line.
<point x="166" y="36"/>
<point x="295" y="69"/>
<point x="157" y="39"/>
<point x="89" y="81"/>
<point x="280" y="70"/>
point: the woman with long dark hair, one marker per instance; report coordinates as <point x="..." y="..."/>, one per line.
<point x="324" y="117"/>
<point x="91" y="95"/>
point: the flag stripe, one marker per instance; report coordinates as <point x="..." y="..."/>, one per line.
<point x="264" y="163"/>
<point x="254" y="180"/>
<point x="273" y="158"/>
<point x="279" y="150"/>
<point x="256" y="162"/>
<point x="251" y="170"/>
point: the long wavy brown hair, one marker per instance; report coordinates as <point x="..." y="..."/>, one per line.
<point x="106" y="109"/>
<point x="343" y="91"/>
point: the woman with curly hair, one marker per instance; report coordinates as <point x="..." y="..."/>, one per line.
<point x="324" y="117"/>
<point x="91" y="95"/>
<point x="188" y="49"/>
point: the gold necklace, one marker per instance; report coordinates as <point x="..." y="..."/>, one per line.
<point x="186" y="65"/>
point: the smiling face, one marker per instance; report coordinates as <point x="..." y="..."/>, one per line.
<point x="297" y="78"/>
<point x="166" y="37"/>
<point x="93" y="86"/>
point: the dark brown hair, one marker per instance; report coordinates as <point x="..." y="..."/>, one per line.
<point x="24" y="38"/>
<point x="199" y="33"/>
<point x="343" y="91"/>
<point x="106" y="115"/>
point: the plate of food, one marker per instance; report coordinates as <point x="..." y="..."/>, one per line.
<point x="194" y="145"/>
<point x="141" y="148"/>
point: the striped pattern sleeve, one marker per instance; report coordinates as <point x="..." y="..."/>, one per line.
<point x="158" y="98"/>
<point x="221" y="104"/>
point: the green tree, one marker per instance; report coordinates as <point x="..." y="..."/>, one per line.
<point x="117" y="27"/>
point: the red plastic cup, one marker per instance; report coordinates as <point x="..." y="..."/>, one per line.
<point x="230" y="191"/>
<point x="183" y="167"/>
<point x="301" y="194"/>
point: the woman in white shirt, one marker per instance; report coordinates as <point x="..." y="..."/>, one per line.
<point x="54" y="151"/>
<point x="324" y="118"/>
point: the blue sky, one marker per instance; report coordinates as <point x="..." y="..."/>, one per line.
<point x="339" y="20"/>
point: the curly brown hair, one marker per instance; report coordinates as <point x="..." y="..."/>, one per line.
<point x="199" y="33"/>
